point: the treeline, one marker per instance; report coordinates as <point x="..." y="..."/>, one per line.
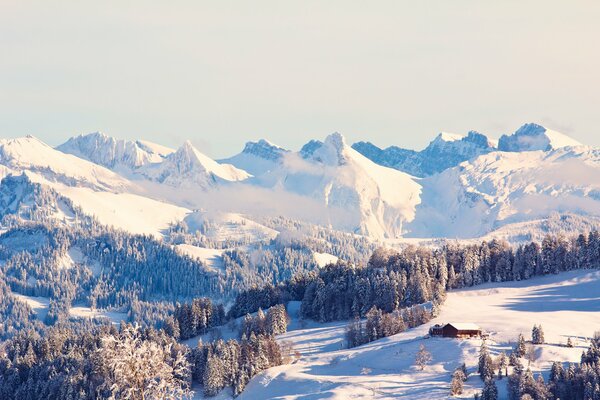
<point x="379" y="324"/>
<point x="393" y="280"/>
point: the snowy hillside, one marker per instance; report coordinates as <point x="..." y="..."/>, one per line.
<point x="565" y="305"/>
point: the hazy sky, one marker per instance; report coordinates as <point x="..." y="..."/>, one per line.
<point x="224" y="72"/>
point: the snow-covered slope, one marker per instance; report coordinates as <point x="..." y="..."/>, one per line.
<point x="114" y="153"/>
<point x="189" y="167"/>
<point x="445" y="151"/>
<point x="31" y="154"/>
<point x="258" y="157"/>
<point x="360" y="195"/>
<point x="566" y="305"/>
<point x="531" y="137"/>
<point x="501" y="188"/>
<point x="223" y="227"/>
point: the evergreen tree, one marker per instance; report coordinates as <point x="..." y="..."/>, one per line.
<point x="458" y="378"/>
<point x="520" y="348"/>
<point x="490" y="390"/>
<point x="422" y="358"/>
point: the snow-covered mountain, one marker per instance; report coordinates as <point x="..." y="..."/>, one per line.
<point x="502" y="188"/>
<point x="114" y="153"/>
<point x="445" y="151"/>
<point x="362" y="196"/>
<point x="531" y="137"/>
<point x="258" y="157"/>
<point x="188" y="167"/>
<point x="140" y="159"/>
<point x="143" y="187"/>
<point x="31" y="154"/>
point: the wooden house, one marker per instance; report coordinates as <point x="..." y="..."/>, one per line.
<point x="456" y="330"/>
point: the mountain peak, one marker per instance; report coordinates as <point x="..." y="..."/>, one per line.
<point x="111" y="152"/>
<point x="264" y="149"/>
<point x="336" y="140"/>
<point x="189" y="166"/>
<point x="448" y="137"/>
<point x="330" y="152"/>
<point x="532" y="137"/>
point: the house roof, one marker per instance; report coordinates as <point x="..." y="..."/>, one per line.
<point x="465" y="326"/>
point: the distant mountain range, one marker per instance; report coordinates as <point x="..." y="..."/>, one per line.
<point x="523" y="185"/>
<point x="448" y="150"/>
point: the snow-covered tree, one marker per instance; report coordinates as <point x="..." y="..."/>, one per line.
<point x="537" y="335"/>
<point x="277" y="320"/>
<point x="485" y="365"/>
<point x="490" y="390"/>
<point x="213" y="379"/>
<point x="502" y="364"/>
<point x="458" y="379"/>
<point x="423" y="357"/>
<point x="520" y="348"/>
<point x="143" y="369"/>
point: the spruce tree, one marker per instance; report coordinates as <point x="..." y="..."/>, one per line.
<point x="490" y="390"/>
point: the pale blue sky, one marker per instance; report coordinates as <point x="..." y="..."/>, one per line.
<point x="224" y="72"/>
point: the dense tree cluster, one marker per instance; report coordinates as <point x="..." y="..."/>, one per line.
<point x="15" y="315"/>
<point x="275" y="322"/>
<point x="195" y="319"/>
<point x="232" y="364"/>
<point x="537" y="335"/>
<point x="93" y="362"/>
<point x="522" y="385"/>
<point x="379" y="324"/>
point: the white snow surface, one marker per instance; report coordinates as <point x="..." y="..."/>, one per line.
<point x="114" y="317"/>
<point x="566" y="305"/>
<point x="449" y="137"/>
<point x="38" y="304"/>
<point x="211" y="258"/>
<point x="323" y="259"/>
<point x="223" y="226"/>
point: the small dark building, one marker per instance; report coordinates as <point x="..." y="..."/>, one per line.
<point x="456" y="330"/>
